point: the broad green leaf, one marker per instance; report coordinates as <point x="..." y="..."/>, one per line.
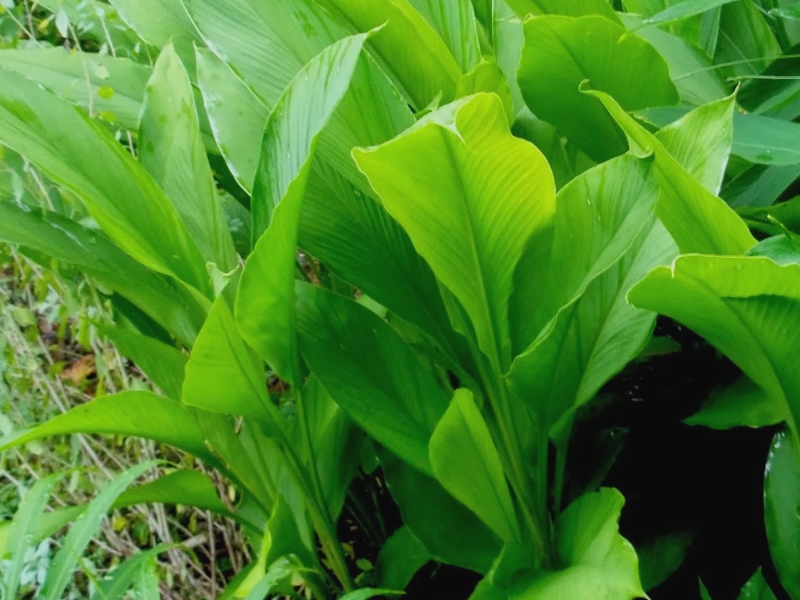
<point x="370" y="372"/>
<point x="565" y="52"/>
<point x="84" y="157"/>
<point x="236" y="114"/>
<point x="415" y="57"/>
<point x="163" y="364"/>
<point x="448" y="182"/>
<point x="682" y="10"/>
<point x="163" y="299"/>
<point x="776" y="92"/>
<point x="145" y="586"/>
<point x="485" y="14"/>
<point x="745" y="306"/>
<point x="112" y="87"/>
<point x="84" y="529"/>
<point x="122" y="577"/>
<point x="595" y="560"/>
<point x="466" y="462"/>
<point x="696" y="219"/>
<point x="160" y="22"/>
<point x="401" y="556"/>
<point x="745" y="40"/>
<point x="742" y="404"/>
<point x="46" y="525"/>
<point x="445" y="527"/>
<point x="767" y="140"/>
<point x="455" y="23"/>
<point x="661" y="556"/>
<point x="547" y="139"/>
<point x="266" y="299"/>
<point x="171" y="149"/>
<point x="782" y="509"/>
<point x="575" y="8"/>
<point x="758" y="186"/>
<point x="21" y="534"/>
<point x="487" y="77"/>
<point x="787" y="214"/>
<point x="224" y="375"/>
<point x="132" y="413"/>
<point x="756" y="588"/>
<point x="509" y="38"/>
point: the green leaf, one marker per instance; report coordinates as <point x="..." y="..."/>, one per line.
<point x="756" y="588"/>
<point x="449" y="184"/>
<point x="162" y="298"/>
<point x="696" y="219"/>
<point x="704" y="592"/>
<point x="370" y="372"/>
<point x="782" y="509"/>
<point x="123" y="576"/>
<point x="417" y="59"/>
<point x="456" y="25"/>
<point x="767" y="140"/>
<point x="145" y="586"/>
<point x="565" y="52"/>
<point x="448" y="530"/>
<point x="487" y="77"/>
<point x="758" y="186"/>
<point x="171" y="149"/>
<point x="236" y="114"/>
<point x="401" y="556"/>
<point x="21" y="534"/>
<point x="224" y="375"/>
<point x="742" y="404"/>
<point x="776" y="92"/>
<point x="366" y="593"/>
<point x="745" y="306"/>
<point x="164" y="365"/>
<point x="84" y="529"/>
<point x="575" y="8"/>
<point x="79" y="77"/>
<point x="682" y="10"/>
<point x="465" y="461"/>
<point x="661" y="556"/>
<point x="745" y="40"/>
<point x="595" y="560"/>
<point x="84" y="157"/>
<point x="132" y="413"/>
<point x="266" y="299"/>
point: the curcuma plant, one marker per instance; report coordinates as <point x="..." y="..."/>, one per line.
<point x="405" y="242"/>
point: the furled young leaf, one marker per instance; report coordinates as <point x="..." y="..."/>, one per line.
<point x="698" y="220"/>
<point x="743" y="404"/>
<point x="576" y="8"/>
<point x="455" y="23"/>
<point x="113" y="87"/>
<point x="162" y="298"/>
<point x="565" y="52"/>
<point x="756" y="588"/>
<point x="370" y="372"/>
<point x="746" y="40"/>
<point x="745" y="306"/>
<point x="84" y="529"/>
<point x="417" y="59"/>
<point x="237" y="116"/>
<point x="84" y="157"/>
<point x="224" y="375"/>
<point x="171" y="149"/>
<point x="445" y="527"/>
<point x="22" y="532"/>
<point x="163" y="364"/>
<point x="465" y="461"/>
<point x="594" y="560"/>
<point x="782" y="509"/>
<point x="448" y="182"/>
<point x="132" y="413"/>
<point x="265" y="302"/>
<point x="401" y="556"/>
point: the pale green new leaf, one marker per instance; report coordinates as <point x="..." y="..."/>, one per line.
<point x="83" y="529"/>
<point x="595" y="560"/>
<point x="265" y="302"/>
<point x="487" y="76"/>
<point x="466" y="462"/>
<point x="171" y="149"/>
<point x="470" y="196"/>
<point x="162" y="298"/>
<point x="370" y="372"/>
<point x="745" y="306"/>
<point x="84" y="157"/>
<point x="132" y="413"/>
<point x="782" y="509"/>
<point x="237" y="116"/>
<point x="696" y="219"/>
<point x="564" y="52"/>
<point x="455" y="23"/>
<point x="113" y="87"/>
